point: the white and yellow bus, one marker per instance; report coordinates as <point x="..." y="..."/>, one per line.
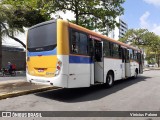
<point x="63" y="54"/>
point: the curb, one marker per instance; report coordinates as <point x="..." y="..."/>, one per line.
<point x="25" y="92"/>
<point x="146" y="70"/>
<point x="11" y="81"/>
<point x="149" y="69"/>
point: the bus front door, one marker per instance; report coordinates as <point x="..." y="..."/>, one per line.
<point x="98" y="62"/>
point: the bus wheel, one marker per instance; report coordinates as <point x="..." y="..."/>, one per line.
<point x="13" y="73"/>
<point x="109" y="79"/>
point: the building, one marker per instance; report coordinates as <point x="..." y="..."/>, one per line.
<point x="120" y="31"/>
<point x="122" y="28"/>
<point x="14" y="55"/>
<point x="11" y="48"/>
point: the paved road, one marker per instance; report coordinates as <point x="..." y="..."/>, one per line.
<point x="9" y="78"/>
<point x="20" y="75"/>
<point x="127" y="95"/>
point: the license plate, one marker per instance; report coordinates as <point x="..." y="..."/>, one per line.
<point x="40" y="70"/>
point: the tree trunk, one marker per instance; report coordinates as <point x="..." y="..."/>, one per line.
<point x="14" y="38"/>
<point x="0" y="47"/>
<point x="76" y="12"/>
<point x="77" y="17"/>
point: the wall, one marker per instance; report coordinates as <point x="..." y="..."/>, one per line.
<point x="15" y="57"/>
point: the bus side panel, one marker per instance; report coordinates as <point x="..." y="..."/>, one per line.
<point x="62" y="53"/>
<point x="62" y="38"/>
<point x="61" y="80"/>
<point x="132" y="67"/>
<point x="128" y="69"/>
<point x="135" y="66"/>
<point x="79" y="72"/>
<point x="115" y="65"/>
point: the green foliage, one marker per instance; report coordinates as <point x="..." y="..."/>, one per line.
<point x="141" y="38"/>
<point x="95" y="14"/>
<point x="25" y="13"/>
<point x="17" y="14"/>
<point x="146" y="40"/>
<point x="135" y="37"/>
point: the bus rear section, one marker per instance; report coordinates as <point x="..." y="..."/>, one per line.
<point x="44" y="65"/>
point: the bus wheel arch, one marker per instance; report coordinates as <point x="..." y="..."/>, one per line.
<point x="110" y="78"/>
<point x="136" y="73"/>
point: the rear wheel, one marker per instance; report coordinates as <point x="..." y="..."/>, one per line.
<point x="13" y="73"/>
<point x="109" y="79"/>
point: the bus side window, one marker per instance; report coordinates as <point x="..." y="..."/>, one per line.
<point x="83" y="44"/>
<point x="115" y="50"/>
<point x="91" y="47"/>
<point x="74" y="41"/>
<point x="106" y="50"/>
<point x="120" y="51"/>
<point x="78" y="42"/>
<point x="130" y="54"/>
<point x="127" y="56"/>
<point x="111" y="49"/>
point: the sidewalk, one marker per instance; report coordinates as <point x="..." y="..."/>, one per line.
<point x="151" y="68"/>
<point x="13" y="88"/>
<point x="21" y="73"/>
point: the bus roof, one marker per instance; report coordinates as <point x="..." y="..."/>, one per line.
<point x="92" y="33"/>
<point x="99" y="35"/>
<point x="43" y="23"/>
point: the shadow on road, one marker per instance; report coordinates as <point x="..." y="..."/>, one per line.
<point x="88" y="94"/>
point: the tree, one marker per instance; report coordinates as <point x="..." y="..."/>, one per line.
<point x="14" y="16"/>
<point x="19" y="14"/>
<point x="2" y="18"/>
<point x="96" y="14"/>
<point x="92" y="14"/>
<point x="145" y="40"/>
<point x="6" y="17"/>
<point x="155" y="49"/>
<point x="136" y="37"/>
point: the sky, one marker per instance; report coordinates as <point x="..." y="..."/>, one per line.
<point x="142" y="14"/>
<point x="138" y="14"/>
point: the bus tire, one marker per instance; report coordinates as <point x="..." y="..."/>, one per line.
<point x="13" y="73"/>
<point x="109" y="79"/>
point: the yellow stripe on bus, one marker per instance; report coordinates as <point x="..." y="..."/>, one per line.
<point x="62" y="37"/>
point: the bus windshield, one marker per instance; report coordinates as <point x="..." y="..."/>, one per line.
<point x="42" y="37"/>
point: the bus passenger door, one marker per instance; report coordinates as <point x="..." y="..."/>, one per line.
<point x="123" y="63"/>
<point x="127" y="64"/>
<point x="98" y="62"/>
